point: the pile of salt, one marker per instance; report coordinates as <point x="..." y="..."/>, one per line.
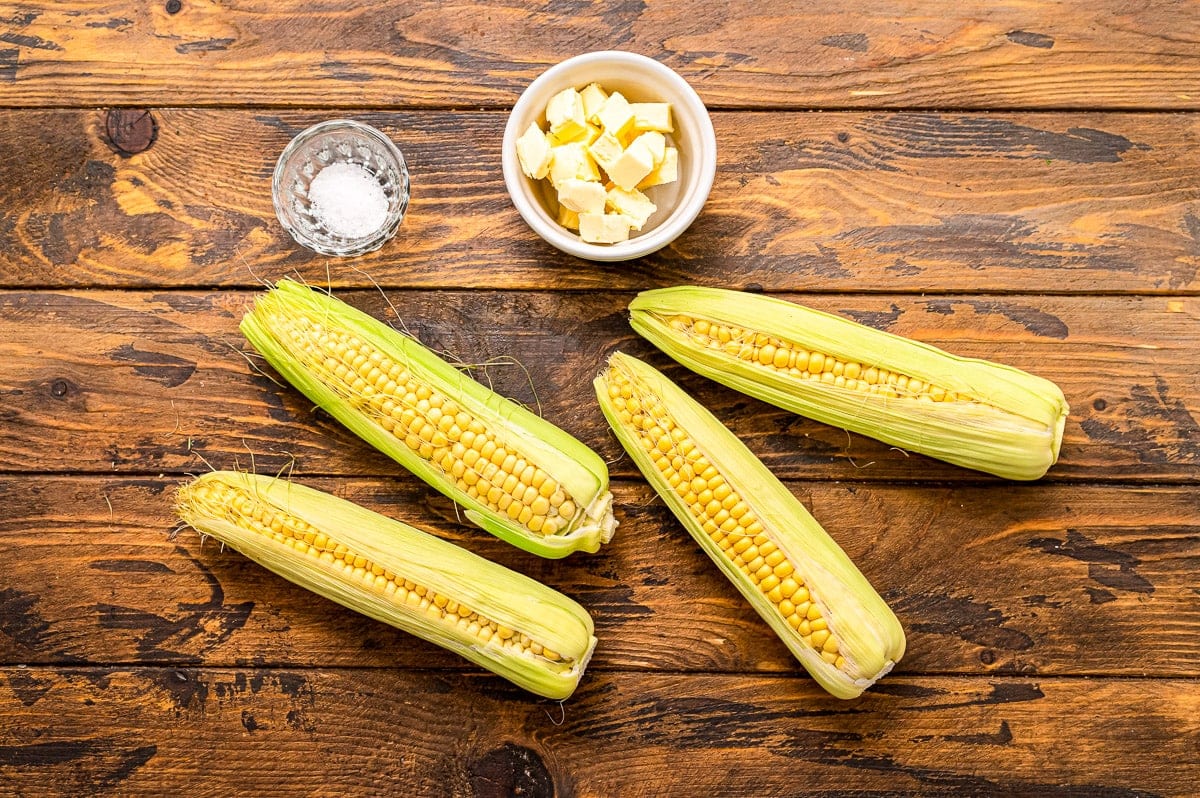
<point x="349" y="201"/>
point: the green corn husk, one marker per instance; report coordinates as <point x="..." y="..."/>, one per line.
<point x="1004" y="421"/>
<point x="293" y="327"/>
<point x="730" y="502"/>
<point x="238" y="509"/>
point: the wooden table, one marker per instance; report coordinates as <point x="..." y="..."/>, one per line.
<point x="1018" y="181"/>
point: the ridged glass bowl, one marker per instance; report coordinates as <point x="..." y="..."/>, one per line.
<point x="324" y="144"/>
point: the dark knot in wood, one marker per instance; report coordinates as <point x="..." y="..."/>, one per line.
<point x="130" y="130"/>
<point x="174" y="6"/>
<point x="510" y="770"/>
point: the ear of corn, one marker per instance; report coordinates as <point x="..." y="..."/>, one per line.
<point x="518" y="476"/>
<point x="764" y="540"/>
<point x="499" y="619"/>
<point x="969" y="412"/>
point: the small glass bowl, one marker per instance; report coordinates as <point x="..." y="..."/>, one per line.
<point x="337" y="141"/>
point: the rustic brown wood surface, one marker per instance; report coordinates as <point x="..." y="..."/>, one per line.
<point x="155" y="381"/>
<point x="1078" y="202"/>
<point x="217" y="731"/>
<point x="1018" y="181"/>
<point x="344" y="53"/>
<point x="1095" y="581"/>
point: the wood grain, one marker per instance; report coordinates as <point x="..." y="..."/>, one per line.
<point x="138" y="382"/>
<point x="1047" y="580"/>
<point x="1006" y="180"/>
<point x="865" y="202"/>
<point x="976" y="54"/>
<point x="207" y="732"/>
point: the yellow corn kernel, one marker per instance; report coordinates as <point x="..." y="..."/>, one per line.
<point x="397" y="574"/>
<point x="819" y="583"/>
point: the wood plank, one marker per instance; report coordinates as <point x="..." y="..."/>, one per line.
<point x="340" y="732"/>
<point x="1048" y="580"/>
<point x="133" y="382"/>
<point x="815" y="55"/>
<point x="873" y="202"/>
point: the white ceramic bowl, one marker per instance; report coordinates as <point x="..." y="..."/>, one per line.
<point x="640" y="79"/>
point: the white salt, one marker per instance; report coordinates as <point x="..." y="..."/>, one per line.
<point x="348" y="200"/>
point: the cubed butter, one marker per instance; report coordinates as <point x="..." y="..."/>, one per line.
<point x="632" y="204"/>
<point x="603" y="228"/>
<point x="568" y="218"/>
<point x="606" y="150"/>
<point x="582" y="196"/>
<point x="590" y="131"/>
<point x="572" y="162"/>
<point x="533" y="151"/>
<point x="652" y="116"/>
<point x="569" y="131"/>
<point x="593" y="97"/>
<point x="656" y="143"/>
<point x="632" y="167"/>
<point x="586" y="134"/>
<point x="590" y="134"/>
<point x="564" y="114"/>
<point x="616" y="116"/>
<point x="667" y="172"/>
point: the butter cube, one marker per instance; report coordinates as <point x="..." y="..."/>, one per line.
<point x="666" y="172"/>
<point x="652" y="116"/>
<point x="568" y="218"/>
<point x="616" y="116"/>
<point x="587" y="134"/>
<point x="533" y="151"/>
<point x="593" y="100"/>
<point x="634" y="164"/>
<point x="564" y="113"/>
<point x="632" y="204"/>
<point x="656" y="143"/>
<point x="582" y="196"/>
<point x="567" y="132"/>
<point x="572" y="162"/>
<point x="606" y="150"/>
<point x="603" y="228"/>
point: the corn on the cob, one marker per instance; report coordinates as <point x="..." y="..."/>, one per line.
<point x="501" y="620"/>
<point x="764" y="540"/>
<point x="969" y="412"/>
<point x="518" y="476"/>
